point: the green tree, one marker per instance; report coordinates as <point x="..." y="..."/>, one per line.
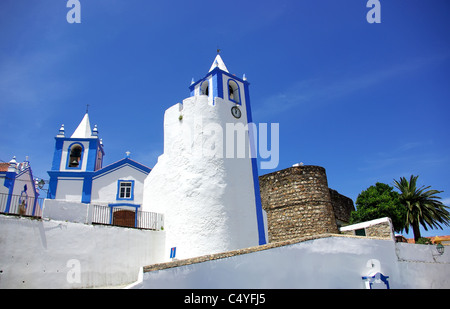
<point x="379" y="201"/>
<point x="422" y="206"/>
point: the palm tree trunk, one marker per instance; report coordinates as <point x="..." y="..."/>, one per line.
<point x="416" y="230"/>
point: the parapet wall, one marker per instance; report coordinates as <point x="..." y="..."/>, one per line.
<point x="320" y="261"/>
<point x="46" y="253"/>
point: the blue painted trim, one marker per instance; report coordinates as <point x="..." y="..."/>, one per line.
<point x="87" y="183"/>
<point x="57" y="155"/>
<point x="88" y="177"/>
<point x="118" y="190"/>
<point x="238" y="91"/>
<point x="219" y="74"/>
<point x="10" y="179"/>
<point x="378" y="275"/>
<point x="259" y="212"/>
<point x="69" y="150"/>
<point x="219" y="85"/>
<point x="124" y="204"/>
<point x="69" y="174"/>
<point x="87" y="190"/>
<point x="52" y="187"/>
<point x="119" y="163"/>
<point x="112" y="205"/>
<point x="92" y="155"/>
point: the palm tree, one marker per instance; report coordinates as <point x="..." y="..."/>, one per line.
<point x="423" y="206"/>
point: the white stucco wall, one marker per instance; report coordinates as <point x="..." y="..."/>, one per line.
<point x="332" y="262"/>
<point x="65" y="211"/>
<point x="24" y="178"/>
<point x="104" y="187"/>
<point x="69" y="189"/>
<point x="49" y="253"/>
<point x="3" y="189"/>
<point x="208" y="200"/>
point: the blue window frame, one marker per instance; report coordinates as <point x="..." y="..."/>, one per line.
<point x="75" y="156"/>
<point x="125" y="190"/>
<point x="233" y="91"/>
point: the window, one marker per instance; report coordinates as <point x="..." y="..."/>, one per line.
<point x="360" y="232"/>
<point x="75" y="154"/>
<point x="125" y="190"/>
<point x="233" y="91"/>
<point x="204" y="89"/>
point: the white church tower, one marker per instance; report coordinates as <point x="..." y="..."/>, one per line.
<point x="75" y="159"/>
<point x="206" y="181"/>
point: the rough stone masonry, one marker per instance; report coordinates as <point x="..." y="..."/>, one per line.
<point x="298" y="202"/>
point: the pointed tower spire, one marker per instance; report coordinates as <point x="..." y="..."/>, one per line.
<point x="218" y="62"/>
<point x="84" y="128"/>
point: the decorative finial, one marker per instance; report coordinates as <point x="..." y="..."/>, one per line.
<point x="61" y="131"/>
<point x="87" y="108"/>
<point x="218" y="51"/>
<point x="128" y="154"/>
<point x="95" y="131"/>
<point x="12" y="165"/>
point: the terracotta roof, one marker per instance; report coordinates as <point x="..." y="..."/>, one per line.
<point x="433" y="239"/>
<point x="4" y="167"/>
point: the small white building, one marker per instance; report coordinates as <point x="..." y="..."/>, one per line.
<point x="77" y="173"/>
<point x="18" y="191"/>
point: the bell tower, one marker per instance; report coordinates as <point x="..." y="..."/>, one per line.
<point x="219" y="83"/>
<point x="74" y="160"/>
<point x="206" y="181"/>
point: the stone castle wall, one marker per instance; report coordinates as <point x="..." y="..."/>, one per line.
<point x="298" y="202"/>
<point x="342" y="207"/>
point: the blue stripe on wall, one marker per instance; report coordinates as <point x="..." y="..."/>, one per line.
<point x="259" y="213"/>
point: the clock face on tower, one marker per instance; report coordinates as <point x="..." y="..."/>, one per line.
<point x="236" y="112"/>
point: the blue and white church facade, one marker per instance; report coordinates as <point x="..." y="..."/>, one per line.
<point x="19" y="190"/>
<point x="78" y="175"/>
<point x="205" y="183"/>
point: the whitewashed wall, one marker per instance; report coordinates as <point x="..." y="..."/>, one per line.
<point x="69" y="189"/>
<point x="104" y="187"/>
<point x="65" y="211"/>
<point x="48" y="253"/>
<point x="208" y="200"/>
<point x="333" y="262"/>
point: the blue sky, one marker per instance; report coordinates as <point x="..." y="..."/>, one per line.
<point x="369" y="102"/>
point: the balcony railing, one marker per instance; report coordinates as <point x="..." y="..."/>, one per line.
<point x="21" y="205"/>
<point x="126" y="216"/>
<point x="122" y="214"/>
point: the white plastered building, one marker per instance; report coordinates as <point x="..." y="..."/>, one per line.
<point x="78" y="175"/>
<point x="206" y="181"/>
